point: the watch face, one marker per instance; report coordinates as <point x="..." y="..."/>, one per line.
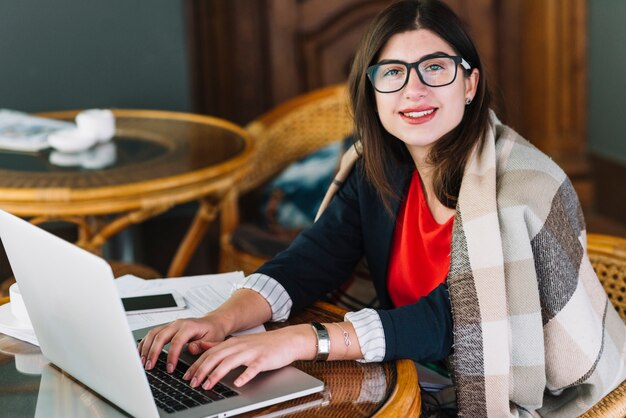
<point x="323" y="341"/>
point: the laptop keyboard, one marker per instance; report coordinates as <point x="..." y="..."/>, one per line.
<point x="173" y="394"/>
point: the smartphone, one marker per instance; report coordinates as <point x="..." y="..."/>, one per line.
<point x="162" y="302"/>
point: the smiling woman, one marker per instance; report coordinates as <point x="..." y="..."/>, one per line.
<point x="473" y="237"/>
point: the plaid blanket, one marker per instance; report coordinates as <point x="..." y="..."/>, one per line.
<point x="534" y="332"/>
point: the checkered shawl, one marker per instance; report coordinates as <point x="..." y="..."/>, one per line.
<point x="534" y="332"/>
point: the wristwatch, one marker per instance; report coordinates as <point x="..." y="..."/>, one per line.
<point x="323" y="341"/>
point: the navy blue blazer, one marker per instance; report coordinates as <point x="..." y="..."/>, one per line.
<point x="322" y="257"/>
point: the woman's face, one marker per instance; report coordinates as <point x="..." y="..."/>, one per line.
<point x="417" y="114"/>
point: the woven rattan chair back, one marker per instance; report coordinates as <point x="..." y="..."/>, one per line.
<point x="281" y="136"/>
<point x="608" y="257"/>
<point x="295" y="129"/>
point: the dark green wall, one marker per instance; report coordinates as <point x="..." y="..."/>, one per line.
<point x="70" y="54"/>
<point x="607" y="79"/>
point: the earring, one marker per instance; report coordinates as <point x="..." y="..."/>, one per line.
<point x="468" y="101"/>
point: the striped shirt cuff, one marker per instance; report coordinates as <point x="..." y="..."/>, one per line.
<point x="275" y="294"/>
<point x="369" y="331"/>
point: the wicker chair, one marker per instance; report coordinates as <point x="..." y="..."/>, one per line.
<point x="283" y="135"/>
<point x="608" y="257"/>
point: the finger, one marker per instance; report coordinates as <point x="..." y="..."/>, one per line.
<point x="161" y="338"/>
<point x="195" y="348"/>
<point x="177" y="343"/>
<point x="247" y="375"/>
<point x="198" y="371"/>
<point x="222" y="369"/>
<point x="146" y="343"/>
<point x="206" y="345"/>
<point x="187" y="331"/>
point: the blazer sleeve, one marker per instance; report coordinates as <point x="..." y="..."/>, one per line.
<point x="421" y="331"/>
<point x="322" y="257"/>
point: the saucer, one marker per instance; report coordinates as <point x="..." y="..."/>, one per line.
<point x="7" y="319"/>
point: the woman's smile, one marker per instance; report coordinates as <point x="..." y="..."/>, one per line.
<point x="418" y="115"/>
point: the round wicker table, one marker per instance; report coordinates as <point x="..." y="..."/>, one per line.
<point x="28" y="386"/>
<point x="155" y="161"/>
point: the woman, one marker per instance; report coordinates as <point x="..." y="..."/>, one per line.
<point x="473" y="238"/>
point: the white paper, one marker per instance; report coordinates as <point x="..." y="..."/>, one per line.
<point x="202" y="294"/>
<point x="24" y="334"/>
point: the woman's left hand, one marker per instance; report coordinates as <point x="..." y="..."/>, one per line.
<point x="258" y="352"/>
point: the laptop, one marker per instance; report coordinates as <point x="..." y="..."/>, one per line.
<point x="82" y="328"/>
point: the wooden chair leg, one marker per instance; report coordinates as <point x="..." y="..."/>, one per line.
<point x="204" y="216"/>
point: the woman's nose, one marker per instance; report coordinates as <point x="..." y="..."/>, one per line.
<point x="414" y="87"/>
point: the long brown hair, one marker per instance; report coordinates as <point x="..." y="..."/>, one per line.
<point x="449" y="154"/>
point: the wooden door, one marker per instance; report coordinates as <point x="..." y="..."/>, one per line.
<point x="250" y="55"/>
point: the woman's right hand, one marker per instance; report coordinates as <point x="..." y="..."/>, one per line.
<point x="190" y="331"/>
<point x="243" y="310"/>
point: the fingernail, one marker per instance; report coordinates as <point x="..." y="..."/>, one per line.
<point x="186" y="376"/>
<point x="194" y="382"/>
<point x="206" y="385"/>
<point x="238" y="382"/>
<point x="148" y="365"/>
<point x="143" y="360"/>
<point x="169" y="367"/>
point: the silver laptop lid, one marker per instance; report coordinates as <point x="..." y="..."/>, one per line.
<point x="77" y="314"/>
<point x="81" y="326"/>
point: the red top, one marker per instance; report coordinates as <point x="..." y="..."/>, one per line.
<point x="420" y="251"/>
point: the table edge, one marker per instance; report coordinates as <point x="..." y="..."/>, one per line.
<point x="404" y="400"/>
<point x="32" y="201"/>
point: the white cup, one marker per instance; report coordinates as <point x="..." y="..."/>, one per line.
<point x="31" y="363"/>
<point x="99" y="123"/>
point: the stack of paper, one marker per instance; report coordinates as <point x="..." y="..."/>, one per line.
<point x="12" y="326"/>
<point x="201" y="293"/>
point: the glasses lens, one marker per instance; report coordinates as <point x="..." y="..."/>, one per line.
<point x="389" y="77"/>
<point x="438" y="71"/>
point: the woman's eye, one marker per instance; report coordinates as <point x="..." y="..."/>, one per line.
<point x="393" y="72"/>
<point x="433" y="67"/>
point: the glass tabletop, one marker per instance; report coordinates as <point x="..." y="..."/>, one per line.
<point x="148" y="145"/>
<point x="120" y="152"/>
<point x="32" y="387"/>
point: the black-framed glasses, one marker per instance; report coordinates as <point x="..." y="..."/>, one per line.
<point x="434" y="70"/>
